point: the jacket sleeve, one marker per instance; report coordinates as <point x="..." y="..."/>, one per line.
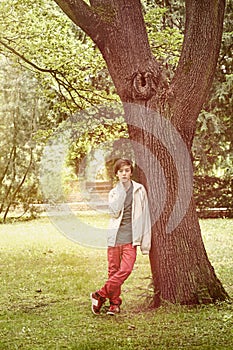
<point x="146" y="235"/>
<point x="116" y="200"/>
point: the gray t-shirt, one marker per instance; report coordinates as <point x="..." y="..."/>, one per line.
<point x="124" y="234"/>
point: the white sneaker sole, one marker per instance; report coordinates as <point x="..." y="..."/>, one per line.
<point x="112" y="313"/>
<point x="94" y="302"/>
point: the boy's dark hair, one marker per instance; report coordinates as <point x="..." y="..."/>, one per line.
<point x="121" y="162"/>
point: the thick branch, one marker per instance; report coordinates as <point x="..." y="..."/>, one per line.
<point x="197" y="64"/>
<point x="83" y="16"/>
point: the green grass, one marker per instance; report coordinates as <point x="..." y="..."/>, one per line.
<point x="46" y="281"/>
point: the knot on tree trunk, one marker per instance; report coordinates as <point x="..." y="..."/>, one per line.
<point x="142" y="86"/>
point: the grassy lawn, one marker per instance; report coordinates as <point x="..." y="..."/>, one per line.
<point x="46" y="280"/>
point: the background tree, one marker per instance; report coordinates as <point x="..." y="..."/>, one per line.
<point x="181" y="270"/>
<point x="21" y="111"/>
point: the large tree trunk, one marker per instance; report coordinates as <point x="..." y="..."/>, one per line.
<point x="180" y="267"/>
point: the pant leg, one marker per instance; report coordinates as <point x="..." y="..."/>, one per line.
<point x="112" y="288"/>
<point x="114" y="260"/>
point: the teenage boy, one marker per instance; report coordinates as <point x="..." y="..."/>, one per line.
<point x="130" y="226"/>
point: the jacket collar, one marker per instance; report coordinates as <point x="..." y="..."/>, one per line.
<point x="136" y="185"/>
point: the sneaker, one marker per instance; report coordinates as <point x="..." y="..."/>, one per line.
<point x="96" y="303"/>
<point x="113" y="310"/>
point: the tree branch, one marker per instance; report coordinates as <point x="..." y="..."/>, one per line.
<point x="22" y="57"/>
<point x="61" y="80"/>
<point x="83" y="16"/>
<point x="195" y="71"/>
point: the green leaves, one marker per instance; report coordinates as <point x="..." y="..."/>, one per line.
<point x="165" y="38"/>
<point x="43" y="35"/>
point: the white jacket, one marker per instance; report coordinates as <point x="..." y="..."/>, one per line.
<point x="141" y="223"/>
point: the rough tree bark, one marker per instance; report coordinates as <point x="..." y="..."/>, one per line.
<point x="180" y="267"/>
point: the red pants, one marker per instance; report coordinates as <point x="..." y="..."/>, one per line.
<point x="121" y="260"/>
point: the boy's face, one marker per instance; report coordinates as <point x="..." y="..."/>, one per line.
<point x="124" y="173"/>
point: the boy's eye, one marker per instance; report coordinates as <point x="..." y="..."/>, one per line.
<point x="122" y="170"/>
